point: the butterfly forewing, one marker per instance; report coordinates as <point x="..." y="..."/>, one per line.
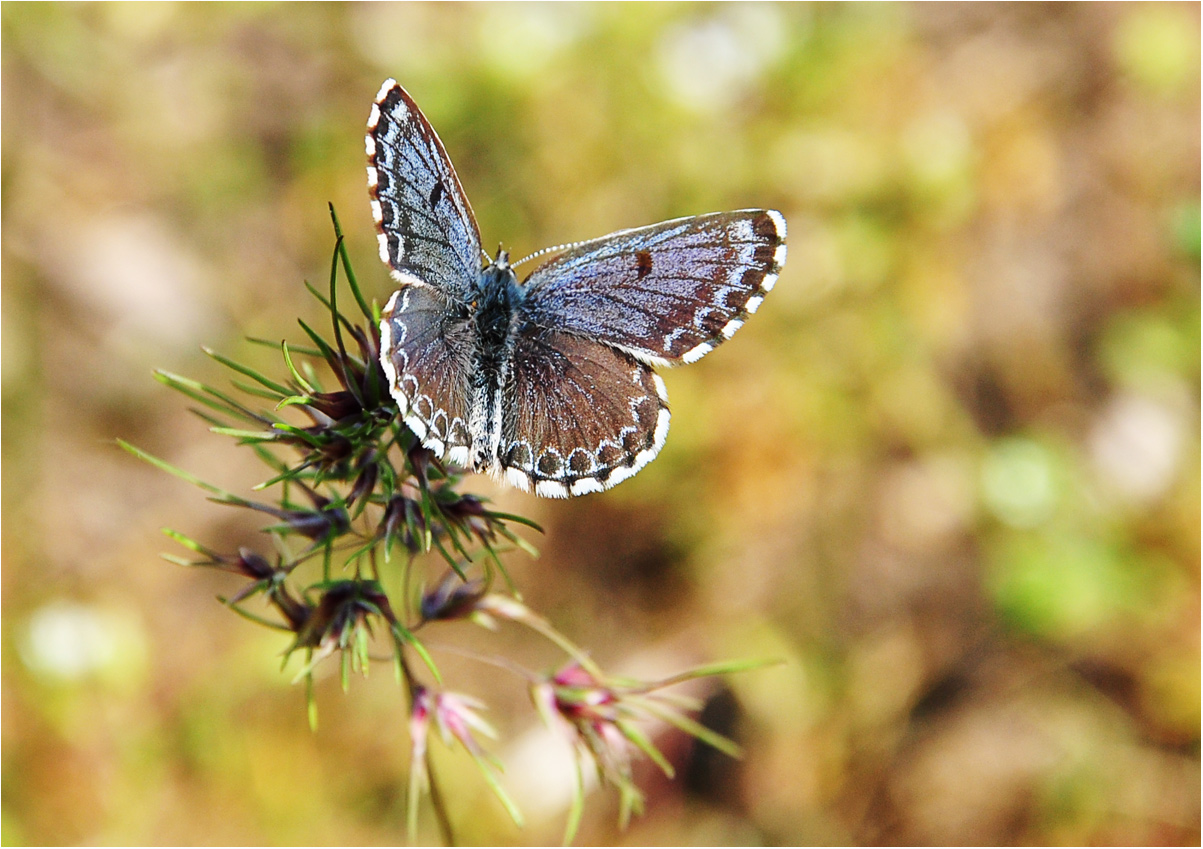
<point x="580" y="417"/>
<point x="426" y="351"/>
<point x="667" y="293"/>
<point x="428" y="234"/>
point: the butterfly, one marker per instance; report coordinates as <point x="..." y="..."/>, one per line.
<point x="546" y="383"/>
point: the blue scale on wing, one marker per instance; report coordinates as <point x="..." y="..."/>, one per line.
<point x="428" y="229"/>
<point x="662" y="292"/>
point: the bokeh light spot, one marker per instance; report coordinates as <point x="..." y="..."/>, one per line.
<point x="1018" y="482"/>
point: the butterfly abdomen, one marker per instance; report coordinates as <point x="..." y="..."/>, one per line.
<point x="496" y="310"/>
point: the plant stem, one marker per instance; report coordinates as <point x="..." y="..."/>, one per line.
<point x="436" y="795"/>
<point x="436" y="801"/>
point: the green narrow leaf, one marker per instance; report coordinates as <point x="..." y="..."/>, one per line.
<point x="646" y="746"/>
<point x="510" y="517"/>
<point x="332" y="358"/>
<point x="251" y="389"/>
<point x="498" y="791"/>
<point x="284" y="477"/>
<point x="341" y="247"/>
<point x="295" y="401"/>
<point x="275" y="346"/>
<point x="577" y="810"/>
<point x="520" y="542"/>
<point x="630" y="801"/>
<point x="398" y="667"/>
<point x="293" y="369"/>
<point x="186" y="541"/>
<point x="456" y="543"/>
<point x="329" y="307"/>
<point x="312" y="376"/>
<point x="727" y="667"/>
<point x="271" y="459"/>
<point x="299" y="432"/>
<point x="210" y="420"/>
<point x="312" y="659"/>
<point x="248" y="371"/>
<point x="336" y="318"/>
<point x="694" y="729"/>
<point x="361" y="649"/>
<point x="446" y="555"/>
<point x="403" y="637"/>
<point x="206" y="395"/>
<point x="251" y="617"/>
<point x="246" y="436"/>
<point x="173" y="470"/>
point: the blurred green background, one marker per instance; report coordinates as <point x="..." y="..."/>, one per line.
<point x="949" y="473"/>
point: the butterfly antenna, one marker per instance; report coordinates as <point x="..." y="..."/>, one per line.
<point x="552" y="249"/>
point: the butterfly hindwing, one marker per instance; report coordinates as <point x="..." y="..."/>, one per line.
<point x="426" y="350"/>
<point x="667" y="293"/>
<point x="428" y="234"/>
<point x="580" y="416"/>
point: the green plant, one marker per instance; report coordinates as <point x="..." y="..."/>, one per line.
<point x="356" y="494"/>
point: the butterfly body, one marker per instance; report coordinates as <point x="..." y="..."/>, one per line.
<point x="496" y="309"/>
<point x="547" y="382"/>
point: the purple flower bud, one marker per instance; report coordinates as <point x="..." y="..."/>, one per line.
<point x="336" y="405"/>
<point x="452" y="598"/>
<point x="365" y="481"/>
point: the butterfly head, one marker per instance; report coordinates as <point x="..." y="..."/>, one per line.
<point x="502" y="262"/>
<point x="497" y="298"/>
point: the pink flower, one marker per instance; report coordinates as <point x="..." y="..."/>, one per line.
<point x="592" y="715"/>
<point x="457" y="717"/>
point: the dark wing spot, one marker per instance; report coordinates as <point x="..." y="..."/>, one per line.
<point x="634" y="442"/>
<point x="765" y="227"/>
<point x="609" y="455"/>
<point x="579" y="462"/>
<point x="643" y="264"/>
<point x="436" y="194"/>
<point x="765" y="254"/>
<point x="519" y="456"/>
<point x="549" y="465"/>
<point x="752" y="278"/>
<point x="459" y="433"/>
